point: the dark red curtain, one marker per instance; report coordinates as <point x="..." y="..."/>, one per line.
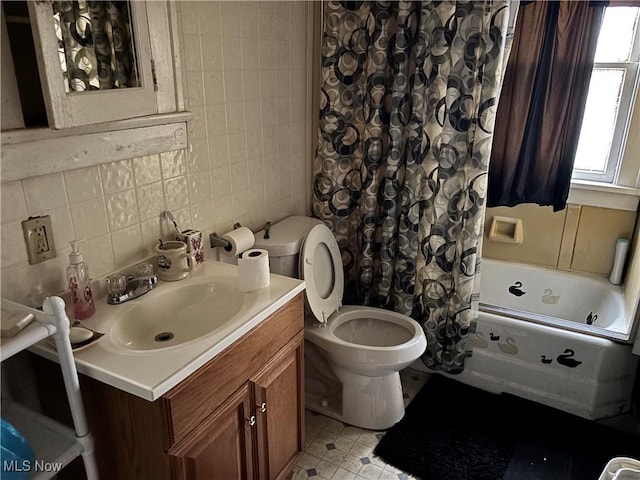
<point x="542" y="102"/>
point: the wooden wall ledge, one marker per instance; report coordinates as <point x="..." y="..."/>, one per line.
<point x="34" y="152"/>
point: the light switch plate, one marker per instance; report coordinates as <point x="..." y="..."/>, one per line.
<point x="38" y="236"/>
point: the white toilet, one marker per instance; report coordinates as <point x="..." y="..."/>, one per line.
<point x="353" y="354"/>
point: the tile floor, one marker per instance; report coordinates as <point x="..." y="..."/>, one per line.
<point x="337" y="451"/>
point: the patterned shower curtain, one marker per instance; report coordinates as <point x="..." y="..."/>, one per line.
<point x="408" y="97"/>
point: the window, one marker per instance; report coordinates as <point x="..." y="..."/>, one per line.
<point x="614" y="82"/>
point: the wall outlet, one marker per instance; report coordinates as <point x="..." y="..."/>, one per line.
<point x="38" y="237"/>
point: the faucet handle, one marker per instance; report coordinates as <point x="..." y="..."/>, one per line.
<point x="117" y="284"/>
<point x="143" y="269"/>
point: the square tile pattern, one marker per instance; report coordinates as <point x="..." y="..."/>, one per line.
<point x="338" y="451"/>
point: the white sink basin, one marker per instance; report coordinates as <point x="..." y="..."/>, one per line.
<point x="161" y="320"/>
<point x="205" y="313"/>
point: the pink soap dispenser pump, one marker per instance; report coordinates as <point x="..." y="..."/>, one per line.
<point x="80" y="285"/>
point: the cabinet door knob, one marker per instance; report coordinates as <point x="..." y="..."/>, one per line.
<point x="252" y="420"/>
<point x="263" y="407"/>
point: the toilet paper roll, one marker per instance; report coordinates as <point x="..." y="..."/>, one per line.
<point x="253" y="270"/>
<point x="240" y="240"/>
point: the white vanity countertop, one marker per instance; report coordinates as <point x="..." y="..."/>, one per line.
<point x="150" y="374"/>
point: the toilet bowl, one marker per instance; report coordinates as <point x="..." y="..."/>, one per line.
<point x="366" y="348"/>
<point x="369" y="341"/>
<point x="353" y="354"/>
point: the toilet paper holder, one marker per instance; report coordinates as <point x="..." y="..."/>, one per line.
<point x="216" y="240"/>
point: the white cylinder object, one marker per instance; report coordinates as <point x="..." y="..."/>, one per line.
<point x="253" y="270"/>
<point x="622" y="245"/>
<point x="240" y="240"/>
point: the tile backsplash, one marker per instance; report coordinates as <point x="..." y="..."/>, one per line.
<point x="244" y="76"/>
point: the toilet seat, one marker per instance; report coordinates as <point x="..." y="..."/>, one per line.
<point x="321" y="269"/>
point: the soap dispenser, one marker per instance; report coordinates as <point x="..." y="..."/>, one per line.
<point x="80" y="285"/>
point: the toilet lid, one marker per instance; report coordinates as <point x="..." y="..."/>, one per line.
<point x="321" y="269"/>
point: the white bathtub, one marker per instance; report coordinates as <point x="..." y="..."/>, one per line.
<point x="552" y="337"/>
<point x="580" y="303"/>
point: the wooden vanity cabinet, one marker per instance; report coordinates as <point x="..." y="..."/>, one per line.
<point x="240" y="416"/>
<point x="257" y="433"/>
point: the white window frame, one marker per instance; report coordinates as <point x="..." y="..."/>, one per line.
<point x="630" y="84"/>
<point x="73" y="109"/>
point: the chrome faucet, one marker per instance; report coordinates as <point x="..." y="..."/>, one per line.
<point x="123" y="288"/>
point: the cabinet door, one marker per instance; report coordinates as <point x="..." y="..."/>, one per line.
<point x="279" y="393"/>
<point x="118" y="86"/>
<point x="221" y="447"/>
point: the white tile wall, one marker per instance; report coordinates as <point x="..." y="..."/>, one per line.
<point x="116" y="176"/>
<point x="45" y="192"/>
<point x="12" y="202"/>
<point x="147" y="170"/>
<point x="246" y="160"/>
<point x="88" y="178"/>
<point x="89" y="219"/>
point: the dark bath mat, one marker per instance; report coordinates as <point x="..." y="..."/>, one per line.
<point x="455" y="432"/>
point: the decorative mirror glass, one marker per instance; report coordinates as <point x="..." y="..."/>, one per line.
<point x="95" y="45"/>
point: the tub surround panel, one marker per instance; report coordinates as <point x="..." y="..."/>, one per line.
<point x="595" y="241"/>
<point x="542" y="235"/>
<point x="571" y="222"/>
<point x="579" y="238"/>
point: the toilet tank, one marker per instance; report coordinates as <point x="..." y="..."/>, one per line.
<point x="284" y="242"/>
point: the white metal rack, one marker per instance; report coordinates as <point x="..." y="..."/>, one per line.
<point x="52" y="442"/>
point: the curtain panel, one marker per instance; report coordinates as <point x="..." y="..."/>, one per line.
<point x="542" y="103"/>
<point x="408" y="97"/>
